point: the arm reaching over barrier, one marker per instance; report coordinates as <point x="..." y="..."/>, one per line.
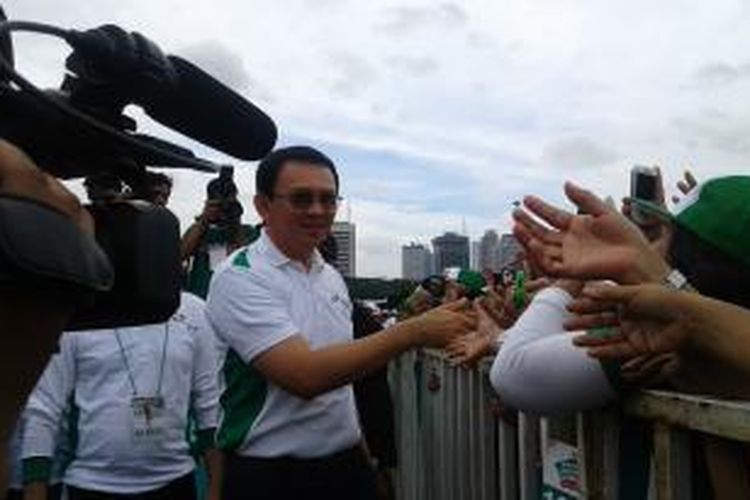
<point x="655" y="319"/>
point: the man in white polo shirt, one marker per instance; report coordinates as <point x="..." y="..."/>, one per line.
<point x="289" y="424"/>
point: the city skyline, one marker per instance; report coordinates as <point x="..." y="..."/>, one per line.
<point x="494" y="251"/>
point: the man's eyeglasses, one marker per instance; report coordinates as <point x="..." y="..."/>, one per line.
<point x="303" y="201"/>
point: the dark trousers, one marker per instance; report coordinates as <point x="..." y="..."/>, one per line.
<point x="54" y="492"/>
<point x="182" y="488"/>
<point x="346" y="475"/>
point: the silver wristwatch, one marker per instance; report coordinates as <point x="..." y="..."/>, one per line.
<point x="676" y="281"/>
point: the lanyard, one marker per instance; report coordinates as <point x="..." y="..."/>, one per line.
<point x="131" y="379"/>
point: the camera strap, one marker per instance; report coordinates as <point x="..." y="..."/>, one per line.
<point x="39" y="243"/>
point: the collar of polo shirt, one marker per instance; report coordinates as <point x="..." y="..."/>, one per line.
<point x="278" y="259"/>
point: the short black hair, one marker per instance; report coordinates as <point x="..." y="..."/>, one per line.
<point x="270" y="166"/>
<point x="158" y="179"/>
<point x="103" y="180"/>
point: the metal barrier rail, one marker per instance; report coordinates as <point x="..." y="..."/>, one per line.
<point x="453" y="446"/>
<point x="447" y="436"/>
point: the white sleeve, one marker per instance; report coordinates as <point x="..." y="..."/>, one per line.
<point x="48" y="401"/>
<point x="205" y="379"/>
<point x="538" y="369"/>
<point x="248" y="312"/>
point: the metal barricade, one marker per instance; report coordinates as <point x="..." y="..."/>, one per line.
<point x="453" y="446"/>
<point x="446" y="433"/>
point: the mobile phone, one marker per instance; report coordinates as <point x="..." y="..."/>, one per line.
<point x="643" y="186"/>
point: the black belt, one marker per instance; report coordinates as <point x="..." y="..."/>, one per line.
<point x="347" y="456"/>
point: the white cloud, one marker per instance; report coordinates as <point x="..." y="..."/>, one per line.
<point x="577" y="151"/>
<point x="222" y="63"/>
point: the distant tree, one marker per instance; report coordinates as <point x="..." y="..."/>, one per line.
<point x="393" y="290"/>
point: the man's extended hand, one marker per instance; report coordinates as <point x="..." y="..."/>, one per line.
<point x="438" y="326"/>
<point x="600" y="243"/>
<point x="467" y="350"/>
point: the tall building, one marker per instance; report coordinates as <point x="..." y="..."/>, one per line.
<point x="508" y="250"/>
<point x="346" y="247"/>
<point x="489" y="246"/>
<point x="474" y="261"/>
<point x="451" y="250"/>
<point x="416" y="262"/>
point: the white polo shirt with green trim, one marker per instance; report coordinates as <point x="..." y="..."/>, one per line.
<point x="257" y="299"/>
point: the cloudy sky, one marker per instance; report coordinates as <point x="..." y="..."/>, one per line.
<point x="440" y="114"/>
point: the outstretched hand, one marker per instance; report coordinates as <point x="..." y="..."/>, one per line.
<point x="599" y="243"/>
<point x="652" y="320"/>
<point x="467" y="350"/>
<point x="438" y="326"/>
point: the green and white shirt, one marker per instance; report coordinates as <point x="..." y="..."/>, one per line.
<point x="259" y="298"/>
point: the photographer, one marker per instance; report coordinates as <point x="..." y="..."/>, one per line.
<point x="216" y="233"/>
<point x="55" y="274"/>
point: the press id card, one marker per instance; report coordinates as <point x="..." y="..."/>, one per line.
<point x="148" y="417"/>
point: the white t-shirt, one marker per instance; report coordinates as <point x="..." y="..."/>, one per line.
<point x="257" y="299"/>
<point x="539" y="370"/>
<point x="113" y="452"/>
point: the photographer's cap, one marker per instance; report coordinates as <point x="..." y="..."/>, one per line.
<point x="716" y="211"/>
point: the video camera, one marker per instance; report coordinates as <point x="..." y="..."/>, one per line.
<point x="80" y="130"/>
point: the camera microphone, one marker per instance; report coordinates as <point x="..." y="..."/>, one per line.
<point x="173" y="91"/>
<point x="213" y="114"/>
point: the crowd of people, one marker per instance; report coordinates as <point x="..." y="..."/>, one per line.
<point x="617" y="305"/>
<point x="246" y="391"/>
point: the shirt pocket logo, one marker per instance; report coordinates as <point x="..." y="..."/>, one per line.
<point x="341" y="304"/>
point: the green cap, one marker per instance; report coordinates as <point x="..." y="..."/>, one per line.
<point x="717" y="212"/>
